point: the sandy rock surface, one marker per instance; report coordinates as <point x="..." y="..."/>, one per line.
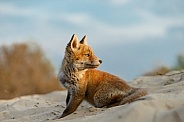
<point x="164" y="103"/>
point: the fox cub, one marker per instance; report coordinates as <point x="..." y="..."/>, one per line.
<point x="84" y="82"/>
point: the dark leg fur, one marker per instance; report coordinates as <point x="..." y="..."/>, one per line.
<point x="67" y="98"/>
<point x="74" y="101"/>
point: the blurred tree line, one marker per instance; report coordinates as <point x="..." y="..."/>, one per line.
<point x="164" y="69"/>
<point x="25" y="70"/>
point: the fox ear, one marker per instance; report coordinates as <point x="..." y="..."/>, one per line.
<point x="83" y="41"/>
<point x="74" y="43"/>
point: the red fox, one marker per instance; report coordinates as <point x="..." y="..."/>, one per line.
<point x="84" y="82"/>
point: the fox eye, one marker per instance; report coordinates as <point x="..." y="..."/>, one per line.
<point x="87" y="55"/>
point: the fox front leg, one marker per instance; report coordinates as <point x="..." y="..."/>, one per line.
<point x="74" y="101"/>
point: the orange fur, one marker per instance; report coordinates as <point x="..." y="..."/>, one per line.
<point x="84" y="82"/>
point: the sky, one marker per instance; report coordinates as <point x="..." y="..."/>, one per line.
<point x="130" y="36"/>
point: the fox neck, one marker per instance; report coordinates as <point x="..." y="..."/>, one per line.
<point x="70" y="72"/>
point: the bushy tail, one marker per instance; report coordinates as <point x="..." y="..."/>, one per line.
<point x="135" y="93"/>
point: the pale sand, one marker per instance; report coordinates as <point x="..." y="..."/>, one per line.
<point x="165" y="103"/>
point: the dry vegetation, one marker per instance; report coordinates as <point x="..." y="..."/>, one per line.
<point x="158" y="71"/>
<point x="25" y="70"/>
<point x="164" y="69"/>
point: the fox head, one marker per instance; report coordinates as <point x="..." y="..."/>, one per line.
<point x="80" y="55"/>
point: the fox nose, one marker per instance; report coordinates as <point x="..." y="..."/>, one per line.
<point x="100" y="61"/>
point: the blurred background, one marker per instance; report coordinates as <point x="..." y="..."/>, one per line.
<point x="132" y="37"/>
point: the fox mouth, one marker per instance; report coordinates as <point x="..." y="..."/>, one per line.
<point x="91" y="66"/>
<point x="86" y="66"/>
